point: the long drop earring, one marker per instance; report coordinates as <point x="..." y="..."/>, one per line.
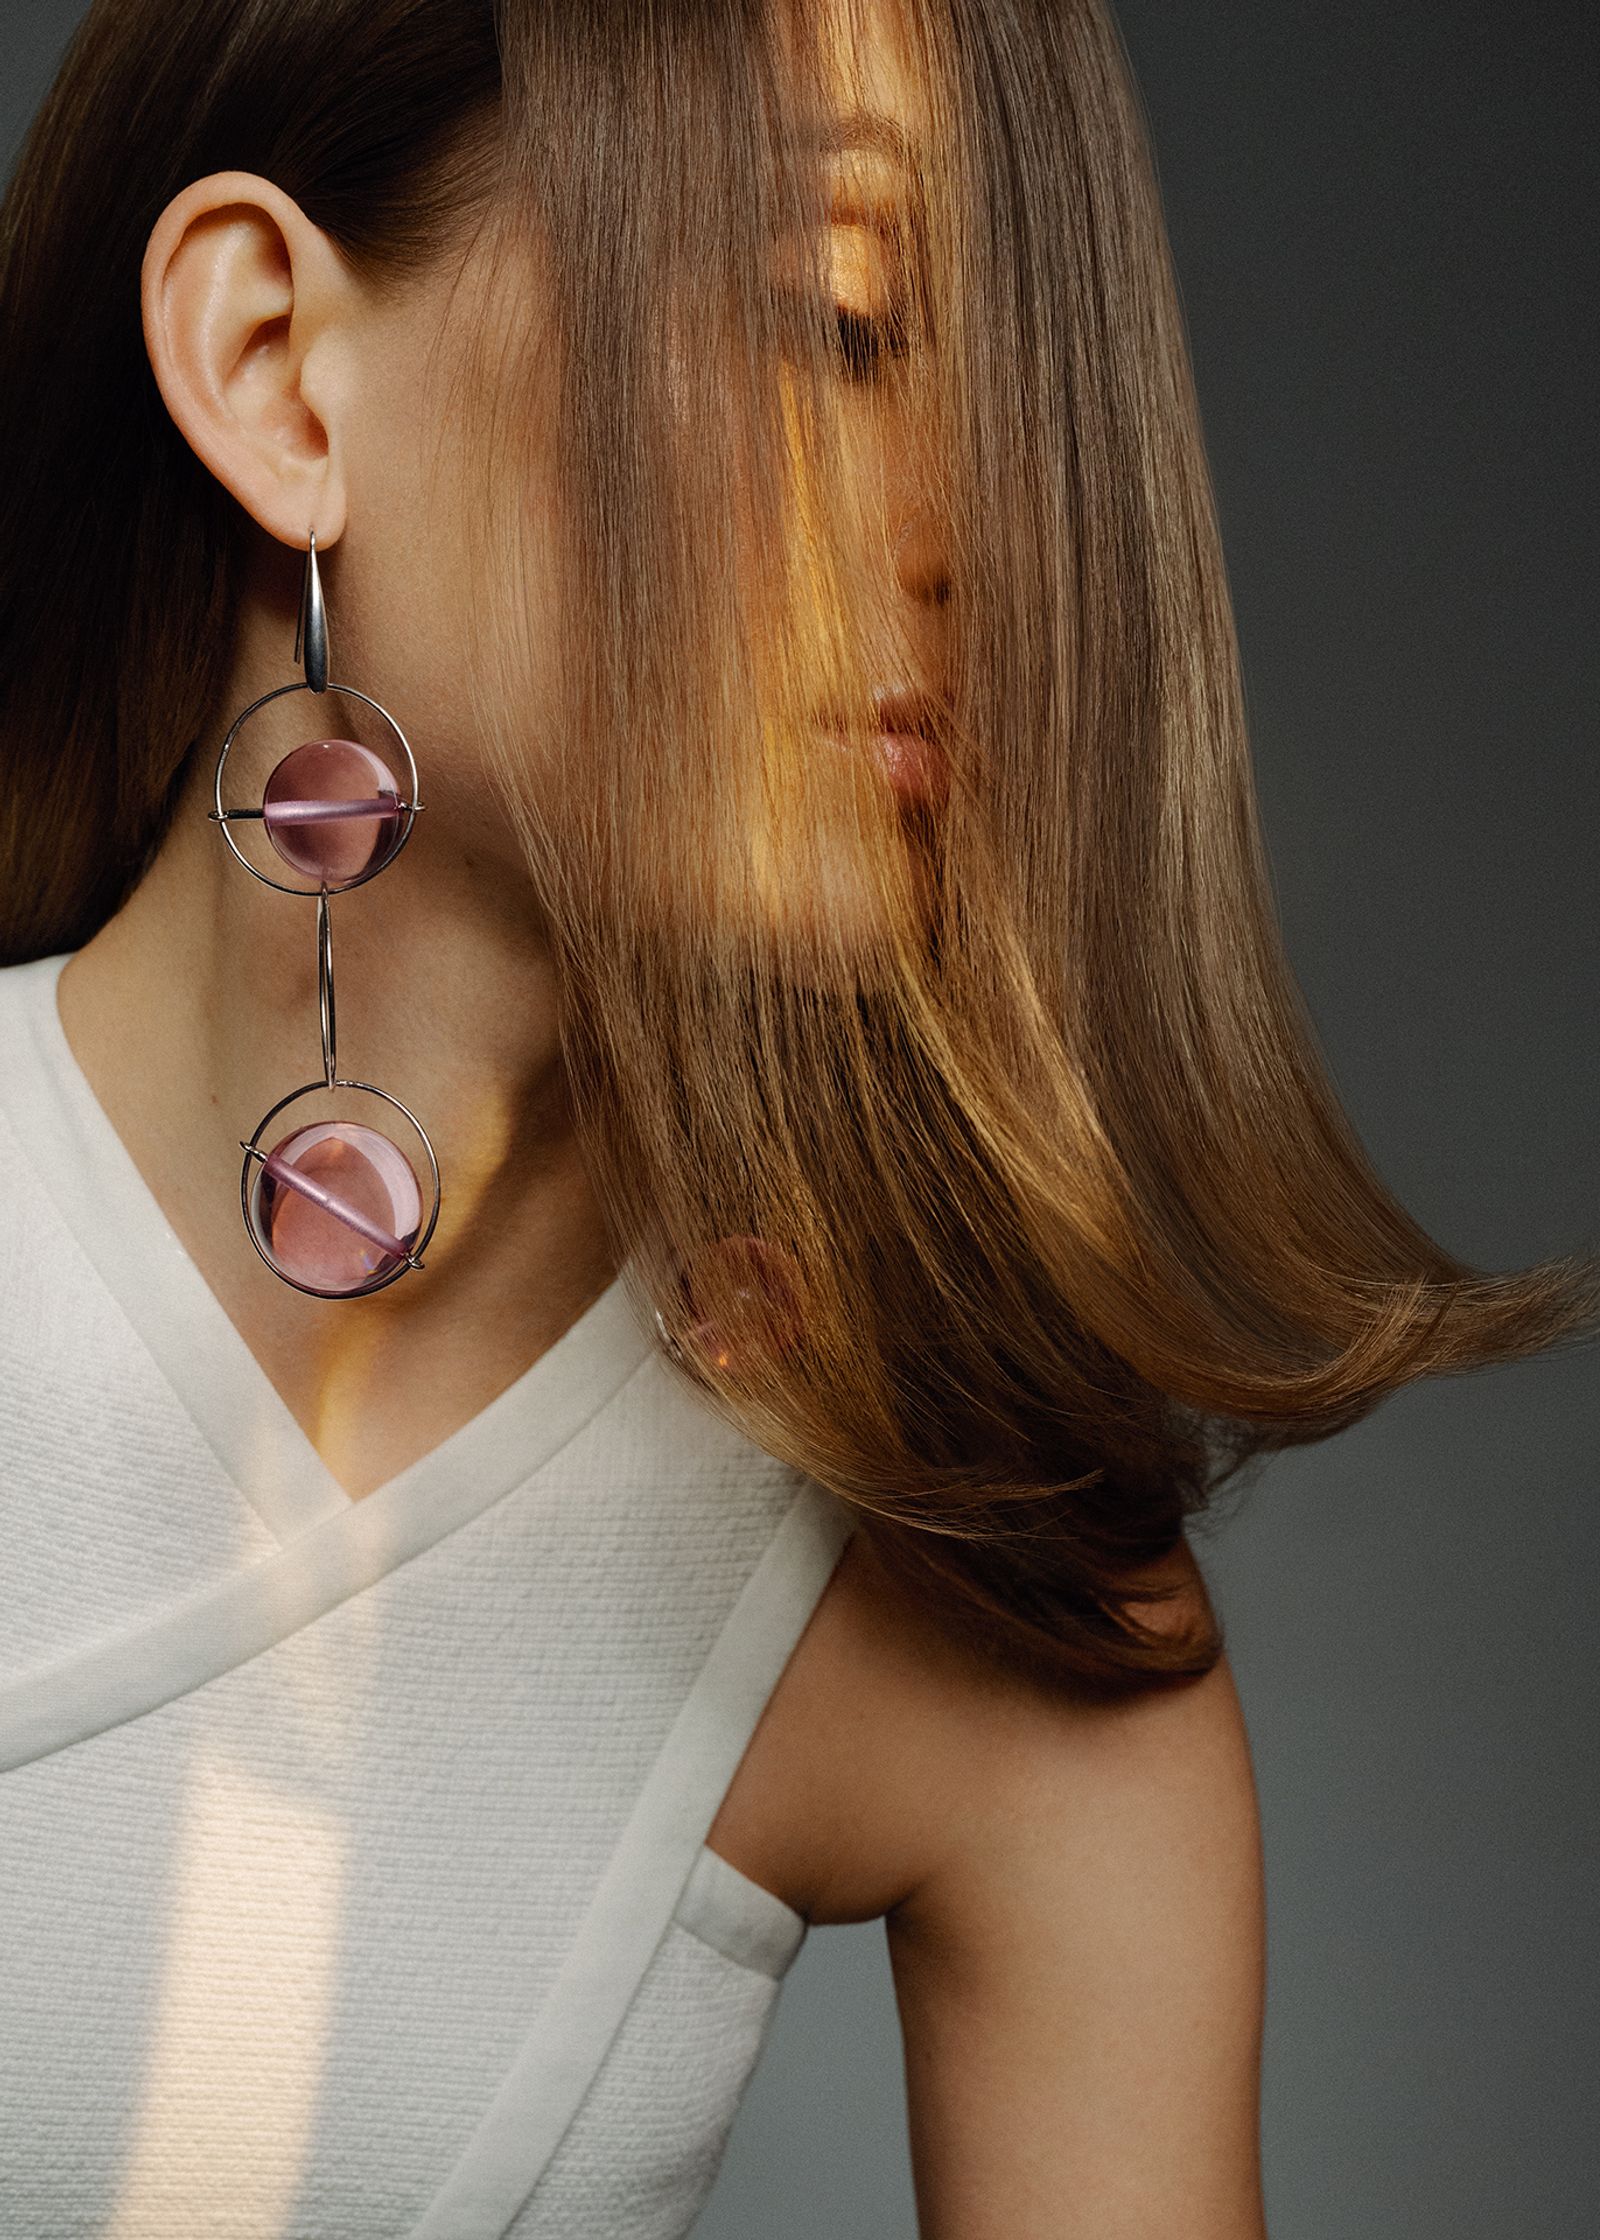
<point x="334" y="1206"/>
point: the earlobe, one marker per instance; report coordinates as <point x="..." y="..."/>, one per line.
<point x="241" y="299"/>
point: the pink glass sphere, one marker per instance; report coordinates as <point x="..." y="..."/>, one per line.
<point x="335" y="1207"/>
<point x="332" y="810"/>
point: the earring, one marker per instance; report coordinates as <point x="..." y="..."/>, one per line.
<point x="334" y="1207"/>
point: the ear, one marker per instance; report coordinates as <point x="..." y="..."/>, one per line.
<point x="248" y="311"/>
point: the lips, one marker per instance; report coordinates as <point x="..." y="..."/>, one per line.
<point x="904" y="740"/>
<point x="914" y="766"/>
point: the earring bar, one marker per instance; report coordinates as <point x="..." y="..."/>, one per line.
<point x="318" y="812"/>
<point x="292" y="1179"/>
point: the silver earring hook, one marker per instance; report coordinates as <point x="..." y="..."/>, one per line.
<point x="312" y="627"/>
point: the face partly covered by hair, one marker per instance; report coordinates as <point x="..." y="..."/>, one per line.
<point x="671" y="534"/>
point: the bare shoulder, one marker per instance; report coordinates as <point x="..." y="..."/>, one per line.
<point x="1080" y="1970"/>
<point x="841" y="1801"/>
<point x="1076" y="1922"/>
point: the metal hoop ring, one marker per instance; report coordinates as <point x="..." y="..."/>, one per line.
<point x="220" y="816"/>
<point x="253" y="1154"/>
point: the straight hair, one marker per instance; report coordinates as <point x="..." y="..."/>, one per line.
<point x="1057" y="1221"/>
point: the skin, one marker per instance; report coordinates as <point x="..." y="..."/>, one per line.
<point x="1073" y="1895"/>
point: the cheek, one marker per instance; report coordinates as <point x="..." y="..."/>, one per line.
<point x="788" y="840"/>
<point x="476" y="629"/>
<point x="454" y="506"/>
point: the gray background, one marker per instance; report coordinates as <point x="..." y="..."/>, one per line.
<point x="1383" y="213"/>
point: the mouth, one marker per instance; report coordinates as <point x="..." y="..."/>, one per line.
<point x="903" y="737"/>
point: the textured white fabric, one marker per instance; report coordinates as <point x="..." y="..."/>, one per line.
<point x="352" y="1873"/>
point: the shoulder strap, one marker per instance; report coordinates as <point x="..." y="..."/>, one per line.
<point x="634" y="1900"/>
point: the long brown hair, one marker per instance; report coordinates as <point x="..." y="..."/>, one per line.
<point x="1038" y="1130"/>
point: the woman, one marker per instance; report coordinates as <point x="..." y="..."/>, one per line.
<point x="746" y="456"/>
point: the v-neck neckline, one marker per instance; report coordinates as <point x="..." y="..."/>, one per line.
<point x="90" y="1175"/>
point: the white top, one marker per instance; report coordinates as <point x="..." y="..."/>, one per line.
<point x="353" y="1877"/>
